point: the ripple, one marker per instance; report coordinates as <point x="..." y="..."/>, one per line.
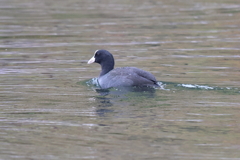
<point x="207" y="56"/>
<point x="203" y="49"/>
<point x="195" y="86"/>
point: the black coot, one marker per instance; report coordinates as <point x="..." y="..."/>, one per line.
<point x="120" y="77"/>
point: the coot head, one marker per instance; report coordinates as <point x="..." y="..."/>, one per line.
<point x="105" y="59"/>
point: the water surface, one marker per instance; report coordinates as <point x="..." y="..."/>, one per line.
<point x="48" y="111"/>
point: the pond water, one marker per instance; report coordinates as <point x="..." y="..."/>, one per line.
<point x="50" y="110"/>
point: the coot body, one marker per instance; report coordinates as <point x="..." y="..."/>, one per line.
<point x="120" y="77"/>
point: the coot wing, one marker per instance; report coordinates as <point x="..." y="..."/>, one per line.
<point x="126" y="77"/>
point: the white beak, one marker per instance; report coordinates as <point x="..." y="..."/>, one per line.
<point x="92" y="60"/>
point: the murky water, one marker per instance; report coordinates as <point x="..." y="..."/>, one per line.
<point x="48" y="111"/>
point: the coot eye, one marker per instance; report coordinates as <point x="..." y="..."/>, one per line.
<point x="96" y="53"/>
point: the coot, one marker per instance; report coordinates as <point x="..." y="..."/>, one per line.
<point x="120" y="77"/>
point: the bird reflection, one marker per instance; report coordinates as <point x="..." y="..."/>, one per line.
<point x="108" y="98"/>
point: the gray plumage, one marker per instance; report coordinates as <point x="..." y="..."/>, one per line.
<point x="120" y="77"/>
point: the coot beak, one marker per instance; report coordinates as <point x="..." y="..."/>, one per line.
<point x="92" y="60"/>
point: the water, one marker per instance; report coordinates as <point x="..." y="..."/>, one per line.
<point x="48" y="111"/>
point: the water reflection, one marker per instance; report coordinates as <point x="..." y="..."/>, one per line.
<point x="127" y="96"/>
<point x="123" y="96"/>
<point x="191" y="47"/>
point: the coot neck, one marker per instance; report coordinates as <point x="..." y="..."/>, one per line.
<point x="106" y="67"/>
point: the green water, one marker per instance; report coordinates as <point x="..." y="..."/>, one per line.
<point x="48" y="111"/>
